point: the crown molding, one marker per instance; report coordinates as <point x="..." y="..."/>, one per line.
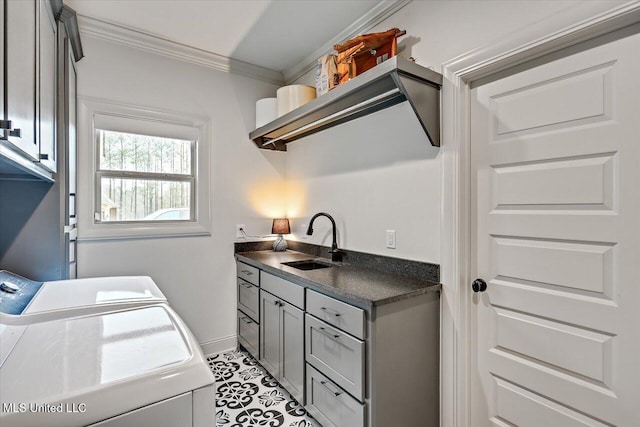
<point x="131" y="37"/>
<point x="579" y="23"/>
<point x="373" y="17"/>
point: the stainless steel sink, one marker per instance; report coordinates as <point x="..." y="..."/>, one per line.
<point x="307" y="264"/>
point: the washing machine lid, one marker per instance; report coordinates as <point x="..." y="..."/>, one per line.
<point x="106" y="364"/>
<point x="77" y="293"/>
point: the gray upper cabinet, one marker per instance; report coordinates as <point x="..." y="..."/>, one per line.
<point x="20" y="56"/>
<point x="28" y="139"/>
<point x="47" y="86"/>
<point x="2" y="74"/>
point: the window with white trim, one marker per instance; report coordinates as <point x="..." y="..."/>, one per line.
<point x="144" y="177"/>
<point x="149" y="172"/>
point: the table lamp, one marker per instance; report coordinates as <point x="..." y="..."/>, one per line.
<point x="280" y="226"/>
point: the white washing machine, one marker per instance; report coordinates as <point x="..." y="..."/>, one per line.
<point x="80" y="295"/>
<point x="102" y="352"/>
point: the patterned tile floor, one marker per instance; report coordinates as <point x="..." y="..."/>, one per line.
<point x="249" y="396"/>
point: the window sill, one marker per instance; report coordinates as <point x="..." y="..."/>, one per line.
<point x="107" y="231"/>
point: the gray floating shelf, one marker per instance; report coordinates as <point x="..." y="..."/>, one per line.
<point x="392" y="82"/>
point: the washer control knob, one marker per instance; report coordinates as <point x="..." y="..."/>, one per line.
<point x="9" y="287"/>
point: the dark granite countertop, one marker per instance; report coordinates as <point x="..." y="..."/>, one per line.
<point x="362" y="287"/>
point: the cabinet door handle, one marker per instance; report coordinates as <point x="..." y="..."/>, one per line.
<point x="326" y="385"/>
<point x="247" y="272"/>
<point x="326" y="310"/>
<point x="278" y="303"/>
<point x="327" y="333"/>
<point x="247" y="320"/>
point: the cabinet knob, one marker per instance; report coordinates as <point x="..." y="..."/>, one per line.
<point x="479" y="285"/>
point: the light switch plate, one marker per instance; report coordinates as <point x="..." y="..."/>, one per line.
<point x="391" y="239"/>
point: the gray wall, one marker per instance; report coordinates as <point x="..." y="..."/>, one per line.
<point x="31" y="241"/>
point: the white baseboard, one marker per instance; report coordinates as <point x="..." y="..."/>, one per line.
<point x="219" y="345"/>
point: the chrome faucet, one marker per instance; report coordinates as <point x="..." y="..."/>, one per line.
<point x="336" y="254"/>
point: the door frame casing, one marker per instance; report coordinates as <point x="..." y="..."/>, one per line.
<point x="579" y="24"/>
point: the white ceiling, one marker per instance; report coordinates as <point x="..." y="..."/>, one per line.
<point x="275" y="34"/>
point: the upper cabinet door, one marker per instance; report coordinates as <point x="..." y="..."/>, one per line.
<point x="2" y="116"/>
<point x="47" y="89"/>
<point x="21" y="17"/>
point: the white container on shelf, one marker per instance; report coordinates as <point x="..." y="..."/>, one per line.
<point x="293" y="96"/>
<point x="266" y="111"/>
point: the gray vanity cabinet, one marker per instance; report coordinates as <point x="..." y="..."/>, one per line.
<point x="372" y="369"/>
<point x="282" y="332"/>
<point x="373" y="365"/>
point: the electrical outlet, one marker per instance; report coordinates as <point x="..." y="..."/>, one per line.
<point x="239" y="228"/>
<point x="391" y="239"/>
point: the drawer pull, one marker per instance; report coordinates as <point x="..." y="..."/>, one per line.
<point x="247" y="272"/>
<point x="326" y="385"/>
<point x="247" y="285"/>
<point x="326" y="310"/>
<point x="327" y="333"/>
<point x="247" y="320"/>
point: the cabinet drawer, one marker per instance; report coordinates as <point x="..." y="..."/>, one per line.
<point x="331" y="405"/>
<point x="248" y="273"/>
<point x="336" y="354"/>
<point x="337" y="313"/>
<point x="248" y="298"/>
<point x="284" y="289"/>
<point x="248" y="334"/>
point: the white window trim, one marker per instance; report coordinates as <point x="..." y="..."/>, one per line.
<point x="88" y="228"/>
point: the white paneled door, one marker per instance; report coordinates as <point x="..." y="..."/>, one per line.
<point x="556" y="236"/>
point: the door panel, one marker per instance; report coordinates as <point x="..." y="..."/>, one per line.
<point x="292" y="363"/>
<point x="270" y="333"/>
<point x="47" y="86"/>
<point x="556" y="235"/>
<point x="20" y="43"/>
<point x="2" y="116"/>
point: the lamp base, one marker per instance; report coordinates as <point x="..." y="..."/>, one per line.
<point x="280" y="245"/>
